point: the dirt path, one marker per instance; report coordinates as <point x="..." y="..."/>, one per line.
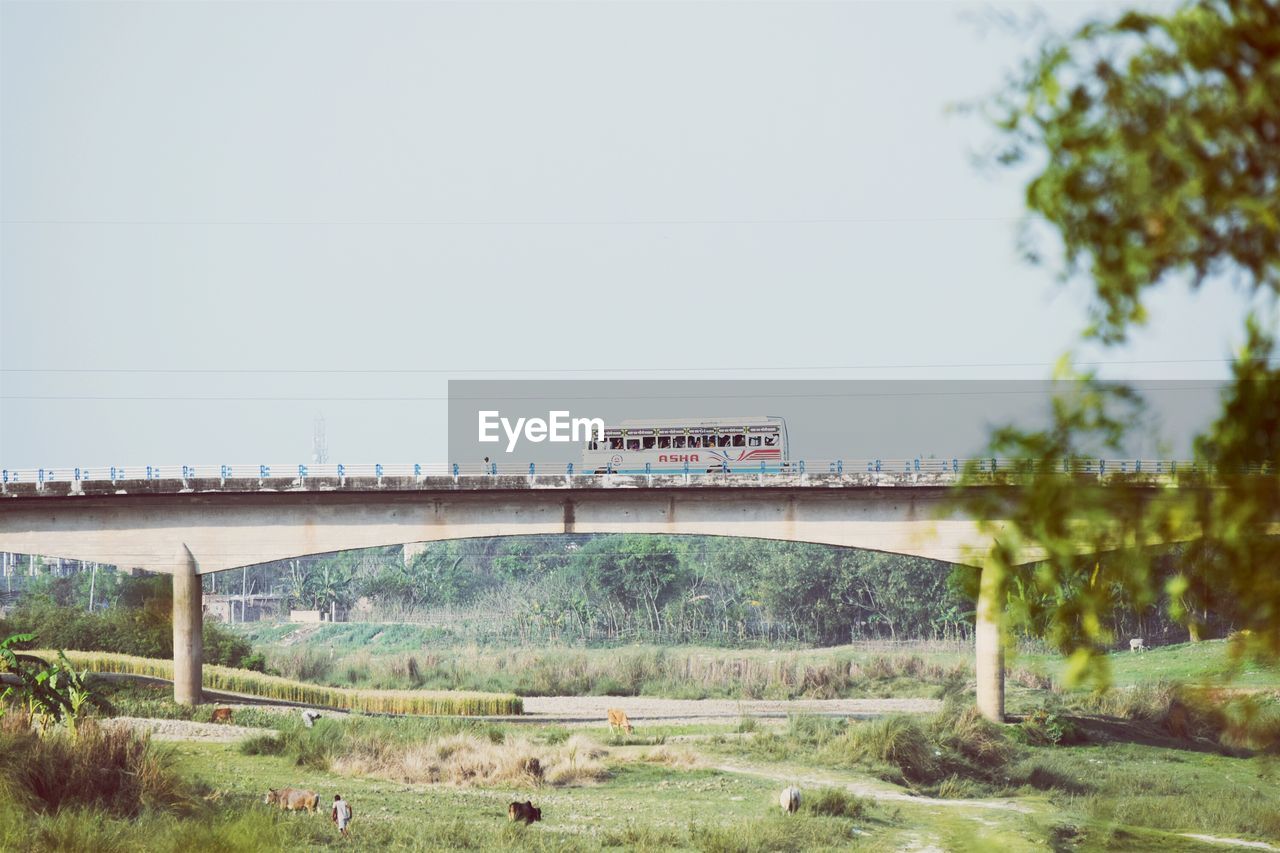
<point x="865" y="788"/>
<point x="186" y="730"/>
<point x="642" y="709"/>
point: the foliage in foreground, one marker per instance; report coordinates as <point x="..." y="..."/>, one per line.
<point x="1156" y="144"/>
<point x="274" y="687"/>
<point x="101" y="767"/>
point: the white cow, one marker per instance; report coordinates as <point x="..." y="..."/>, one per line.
<point x="790" y="799"/>
<point x="1137" y="645"/>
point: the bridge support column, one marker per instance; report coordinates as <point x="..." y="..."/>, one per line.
<point x="188" y="630"/>
<point x="989" y="645"/>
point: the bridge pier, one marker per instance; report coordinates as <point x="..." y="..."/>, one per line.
<point x="989" y="645"/>
<point x="188" y="630"/>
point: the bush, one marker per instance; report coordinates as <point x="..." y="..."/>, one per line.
<point x="104" y="767"/>
<point x="834" y="802"/>
<point x="145" y="630"/>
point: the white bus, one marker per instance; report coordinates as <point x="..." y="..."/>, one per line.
<point x="696" y="444"/>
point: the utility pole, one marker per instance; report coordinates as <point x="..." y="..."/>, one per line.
<point x="93" y="577"/>
<point x="319" y="447"/>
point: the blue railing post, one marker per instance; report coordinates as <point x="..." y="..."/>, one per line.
<point x="264" y="471"/>
<point x="569" y="470"/>
<point x="917" y="465"/>
<point x="377" y="472"/>
<point x="302" y="474"/>
<point x="955" y="465"/>
<point x="801" y="467"/>
<point x="686" y="470"/>
<point x="342" y="474"/>
<point x="531" y="470"/>
<point x="1102" y="467"/>
<point x="840" y="466"/>
<point x="877" y="466"/>
<point x="762" y="469"/>
<point x="1137" y="466"/>
<point x="223" y="473"/>
<point x="608" y="468"/>
<point x="648" y="469"/>
<point x="417" y="471"/>
<point x="455" y="472"/>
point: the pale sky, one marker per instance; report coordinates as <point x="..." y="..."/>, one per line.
<point x="207" y="195"/>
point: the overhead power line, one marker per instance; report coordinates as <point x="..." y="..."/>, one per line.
<point x="575" y="370"/>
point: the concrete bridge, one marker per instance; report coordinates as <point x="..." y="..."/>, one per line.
<point x="196" y="525"/>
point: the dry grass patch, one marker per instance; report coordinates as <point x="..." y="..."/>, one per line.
<point x="468" y="760"/>
<point x="681" y="757"/>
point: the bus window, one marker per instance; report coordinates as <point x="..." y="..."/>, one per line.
<point x="647" y="442"/>
<point x="591" y="445"/>
<point x="695" y="441"/>
<point x="770" y="441"/>
<point x="753" y="441"/>
<point x="633" y="444"/>
<point x="722" y="441"/>
<point x="664" y="442"/>
<point x="739" y="440"/>
<point x="615" y="444"/>
<point x="680" y="442"/>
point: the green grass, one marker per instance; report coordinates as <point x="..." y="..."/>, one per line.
<point x="1208" y="662"/>
<point x="425" y="702"/>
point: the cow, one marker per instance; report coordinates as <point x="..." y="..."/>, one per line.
<point x="1137" y="644"/>
<point x="618" y="720"/>
<point x="790" y="799"/>
<point x="293" y="799"/>
<point x="525" y="811"/>
<point x="221" y="715"/>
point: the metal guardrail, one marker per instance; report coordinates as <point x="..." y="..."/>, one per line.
<point x="931" y="470"/>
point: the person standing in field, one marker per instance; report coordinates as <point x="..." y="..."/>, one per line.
<point x="341" y="814"/>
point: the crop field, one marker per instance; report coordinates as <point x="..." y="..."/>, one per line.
<point x="275" y="687"/>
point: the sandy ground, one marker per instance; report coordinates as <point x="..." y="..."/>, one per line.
<point x="646" y="709"/>
<point x="186" y="730"/>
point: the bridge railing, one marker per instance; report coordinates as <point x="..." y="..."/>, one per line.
<point x="925" y="470"/>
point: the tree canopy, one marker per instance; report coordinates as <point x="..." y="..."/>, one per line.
<point x="1154" y="142"/>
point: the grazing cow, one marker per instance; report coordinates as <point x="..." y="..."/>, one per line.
<point x="525" y="811"/>
<point x="221" y="715"/>
<point x="618" y="720"/>
<point x="1137" y="645"/>
<point x="309" y="717"/>
<point x="790" y="799"/>
<point x="293" y="799"/>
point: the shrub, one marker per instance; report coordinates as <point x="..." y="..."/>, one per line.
<point x="834" y="802"/>
<point x="105" y="767"/>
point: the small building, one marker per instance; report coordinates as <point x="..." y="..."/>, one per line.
<point x="244" y="608"/>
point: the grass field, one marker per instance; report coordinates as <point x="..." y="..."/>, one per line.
<point x="1144" y="767"/>
<point x="708" y="788"/>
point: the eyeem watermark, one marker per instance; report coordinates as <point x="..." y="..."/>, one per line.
<point x="558" y="428"/>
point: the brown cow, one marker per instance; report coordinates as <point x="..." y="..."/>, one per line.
<point x="293" y="799"/>
<point x="618" y="720"/>
<point x="525" y="811"/>
<point x="221" y="715"/>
